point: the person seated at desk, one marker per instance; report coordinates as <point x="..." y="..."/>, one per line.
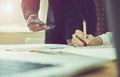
<point x="78" y="39"/>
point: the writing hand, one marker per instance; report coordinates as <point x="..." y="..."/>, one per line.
<point x="78" y="39"/>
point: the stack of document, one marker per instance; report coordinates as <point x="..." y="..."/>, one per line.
<point x="108" y="52"/>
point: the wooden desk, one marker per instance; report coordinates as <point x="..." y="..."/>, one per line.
<point x="109" y="70"/>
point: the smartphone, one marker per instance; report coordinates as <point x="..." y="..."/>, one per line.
<point x="35" y="21"/>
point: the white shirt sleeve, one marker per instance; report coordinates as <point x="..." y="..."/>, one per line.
<point x="107" y="38"/>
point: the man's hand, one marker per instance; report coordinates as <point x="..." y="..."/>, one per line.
<point x="79" y="40"/>
<point x="34" y="27"/>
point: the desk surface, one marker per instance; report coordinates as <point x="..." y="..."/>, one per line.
<point x="109" y="70"/>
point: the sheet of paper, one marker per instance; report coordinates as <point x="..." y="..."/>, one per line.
<point x="94" y="51"/>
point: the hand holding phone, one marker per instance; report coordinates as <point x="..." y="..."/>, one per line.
<point x="35" y="21"/>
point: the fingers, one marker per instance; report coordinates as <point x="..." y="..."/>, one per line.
<point x="33" y="16"/>
<point x="89" y="39"/>
<point x="79" y="34"/>
<point x="79" y="40"/>
<point x="76" y="41"/>
<point x="37" y="27"/>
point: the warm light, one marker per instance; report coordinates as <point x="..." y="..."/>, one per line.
<point x="11" y="14"/>
<point x="8" y="8"/>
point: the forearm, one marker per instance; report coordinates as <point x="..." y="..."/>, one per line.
<point x="30" y="7"/>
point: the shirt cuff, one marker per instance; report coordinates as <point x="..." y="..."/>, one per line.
<point x="105" y="38"/>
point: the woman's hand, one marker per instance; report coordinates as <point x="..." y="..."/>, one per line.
<point x="79" y="40"/>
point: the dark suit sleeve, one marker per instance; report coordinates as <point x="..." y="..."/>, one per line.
<point x="30" y="7"/>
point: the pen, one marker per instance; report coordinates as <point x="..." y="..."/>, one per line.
<point x="84" y="30"/>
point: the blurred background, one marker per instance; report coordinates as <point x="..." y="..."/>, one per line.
<point x="13" y="27"/>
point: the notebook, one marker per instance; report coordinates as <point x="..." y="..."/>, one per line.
<point x="107" y="52"/>
<point x="30" y="64"/>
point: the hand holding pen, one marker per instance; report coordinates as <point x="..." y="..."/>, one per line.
<point x="78" y="39"/>
<point x="83" y="39"/>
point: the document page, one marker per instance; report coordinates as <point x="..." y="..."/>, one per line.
<point x="108" y="52"/>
